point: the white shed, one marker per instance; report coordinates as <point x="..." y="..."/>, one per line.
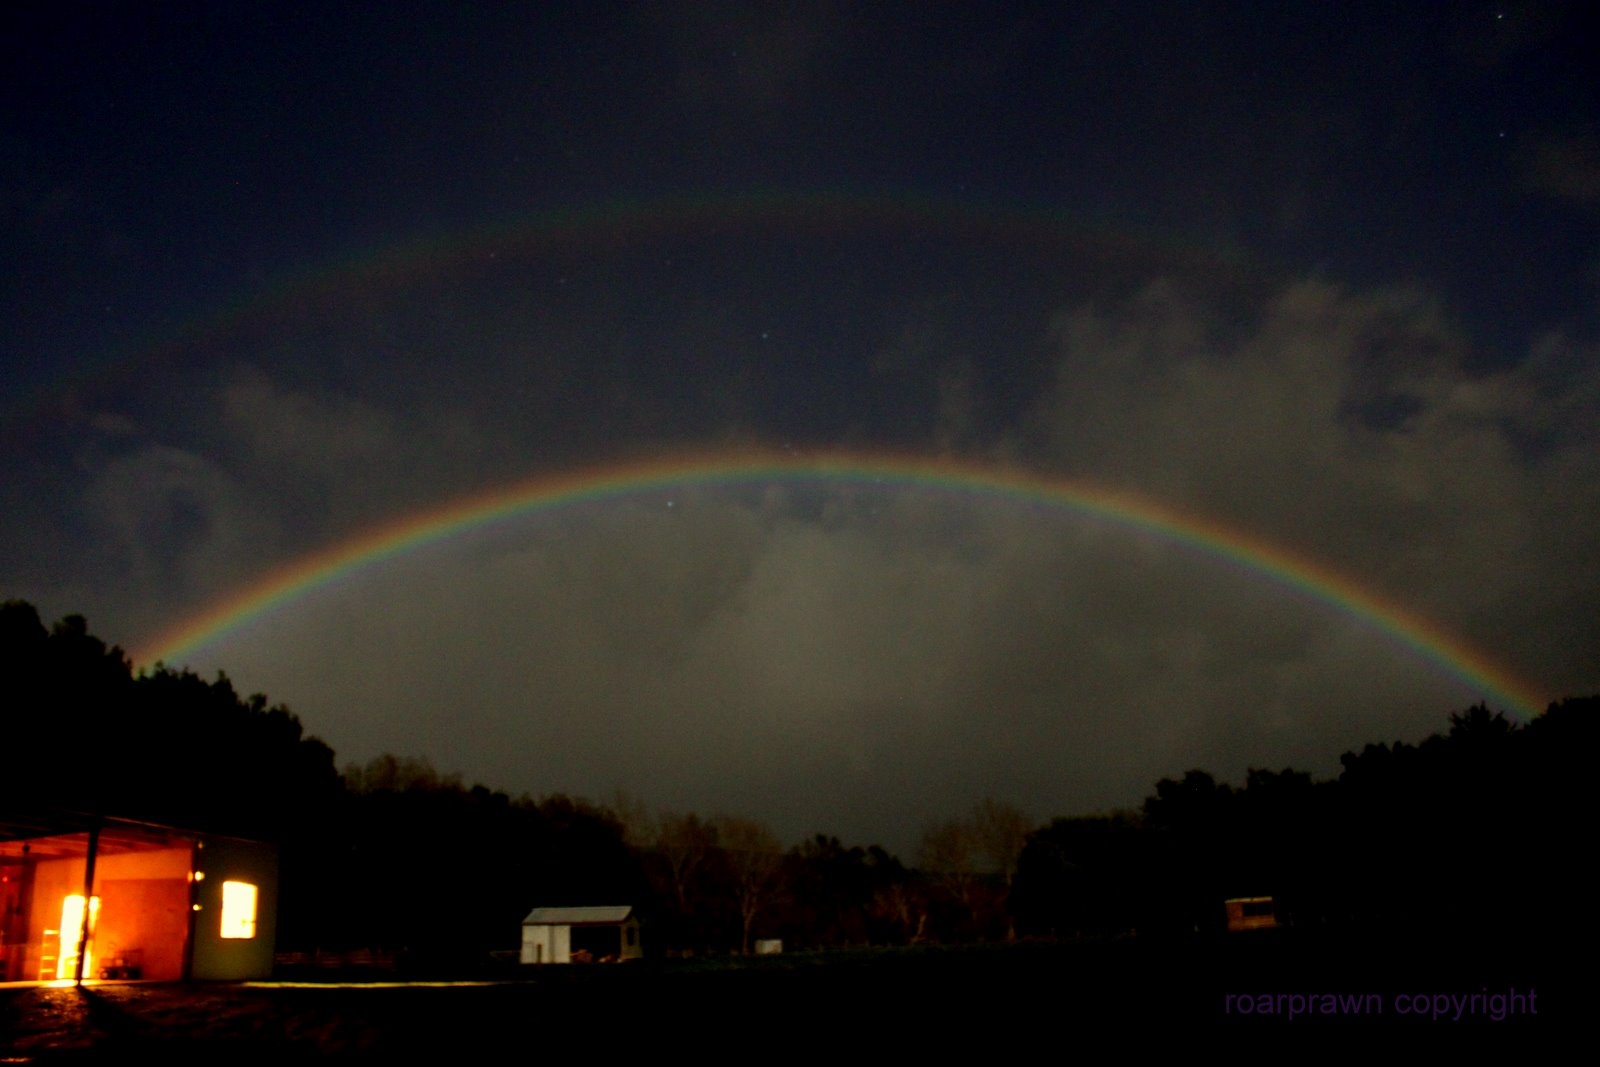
<point x="557" y="935"/>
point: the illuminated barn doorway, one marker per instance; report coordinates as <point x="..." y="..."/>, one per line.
<point x="84" y="898"/>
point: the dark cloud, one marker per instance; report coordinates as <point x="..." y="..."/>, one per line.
<point x="1438" y="507"/>
<point x="1568" y="169"/>
<point x="753" y="60"/>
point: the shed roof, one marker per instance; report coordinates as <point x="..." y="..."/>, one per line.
<point x="589" y="916"/>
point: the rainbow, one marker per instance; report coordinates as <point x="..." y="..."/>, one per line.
<point x="280" y="588"/>
<point x="619" y="224"/>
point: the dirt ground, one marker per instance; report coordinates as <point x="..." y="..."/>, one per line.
<point x="977" y="1000"/>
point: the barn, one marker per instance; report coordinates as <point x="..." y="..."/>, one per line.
<point x="567" y="935"/>
<point x="87" y="898"/>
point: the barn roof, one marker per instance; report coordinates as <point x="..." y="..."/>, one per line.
<point x="578" y="916"/>
<point x="55" y="833"/>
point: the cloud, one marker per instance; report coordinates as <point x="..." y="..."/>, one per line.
<point x="316" y="436"/>
<point x="857" y="668"/>
<point x="171" y="520"/>
<point x="1567" y="169"/>
<point x="1349" y="428"/>
<point x="755" y="59"/>
<point x="862" y="659"/>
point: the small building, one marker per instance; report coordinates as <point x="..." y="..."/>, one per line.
<point x="1250" y="913"/>
<point x="86" y="897"/>
<point x="567" y="935"/>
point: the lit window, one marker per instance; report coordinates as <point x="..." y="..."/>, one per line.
<point x="238" y="909"/>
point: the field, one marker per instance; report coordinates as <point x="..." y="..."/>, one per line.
<point x="1276" y="986"/>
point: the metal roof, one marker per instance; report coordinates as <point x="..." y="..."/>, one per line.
<point x="591" y="916"/>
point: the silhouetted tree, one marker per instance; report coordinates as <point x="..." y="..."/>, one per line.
<point x="164" y="746"/>
<point x="753" y="858"/>
<point x="832" y="890"/>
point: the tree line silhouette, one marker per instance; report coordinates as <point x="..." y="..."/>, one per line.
<point x="1472" y="829"/>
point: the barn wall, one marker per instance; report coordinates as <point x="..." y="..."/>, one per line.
<point x="546" y="944"/>
<point x="144" y="914"/>
<point x="216" y="957"/>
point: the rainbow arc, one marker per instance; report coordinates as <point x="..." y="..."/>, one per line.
<point x="279" y="589"/>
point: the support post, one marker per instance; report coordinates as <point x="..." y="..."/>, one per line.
<point x="88" y="902"/>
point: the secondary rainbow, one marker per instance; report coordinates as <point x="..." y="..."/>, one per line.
<point x="621" y="224"/>
<point x="281" y="587"/>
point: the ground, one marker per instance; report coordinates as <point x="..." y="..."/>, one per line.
<point x="1170" y="992"/>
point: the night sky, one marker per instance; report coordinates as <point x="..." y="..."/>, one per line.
<point x="278" y="274"/>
